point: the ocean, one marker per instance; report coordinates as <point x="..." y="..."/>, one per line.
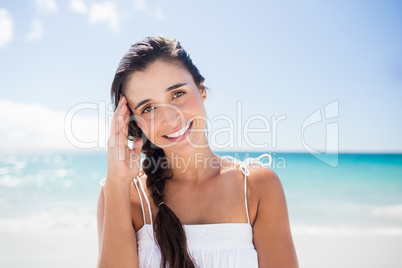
<point x="361" y="195"/>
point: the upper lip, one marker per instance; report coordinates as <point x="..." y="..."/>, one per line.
<point x="188" y="123"/>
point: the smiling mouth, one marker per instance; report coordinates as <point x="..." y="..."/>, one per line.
<point x="180" y="133"/>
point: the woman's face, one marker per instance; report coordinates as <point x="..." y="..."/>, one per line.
<point x="167" y="105"/>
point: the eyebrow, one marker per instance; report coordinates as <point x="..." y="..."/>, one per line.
<point x="167" y="90"/>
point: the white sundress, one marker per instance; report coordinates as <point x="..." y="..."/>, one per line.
<point x="220" y="245"/>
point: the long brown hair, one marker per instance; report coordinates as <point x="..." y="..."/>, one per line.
<point x="168" y="229"/>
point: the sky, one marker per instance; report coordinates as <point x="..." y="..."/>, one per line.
<point x="294" y="76"/>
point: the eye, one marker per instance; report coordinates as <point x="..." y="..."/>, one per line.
<point x="178" y="94"/>
<point x="147" y="109"/>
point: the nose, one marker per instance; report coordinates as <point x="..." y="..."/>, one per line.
<point x="170" y="117"/>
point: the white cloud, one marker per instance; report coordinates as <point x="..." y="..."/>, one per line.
<point x="140" y="5"/>
<point x="35" y="127"/>
<point x="105" y="13"/>
<point x="159" y="15"/>
<point x="6" y="28"/>
<point x="37" y="30"/>
<point x="46" y="6"/>
<point x="78" y="6"/>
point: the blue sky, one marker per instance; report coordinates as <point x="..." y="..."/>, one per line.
<point x="277" y="59"/>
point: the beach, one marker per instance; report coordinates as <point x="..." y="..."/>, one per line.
<point x="331" y="251"/>
<point x="65" y="249"/>
<point x="39" y="249"/>
<point x="344" y="216"/>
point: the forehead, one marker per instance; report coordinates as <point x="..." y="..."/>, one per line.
<point x="155" y="79"/>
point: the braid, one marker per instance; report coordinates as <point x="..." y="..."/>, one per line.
<point x="168" y="229"/>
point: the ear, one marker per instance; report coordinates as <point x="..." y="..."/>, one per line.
<point x="203" y="91"/>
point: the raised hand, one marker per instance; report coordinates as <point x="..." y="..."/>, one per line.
<point x="123" y="163"/>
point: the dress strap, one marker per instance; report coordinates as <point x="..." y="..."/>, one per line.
<point x="143" y="213"/>
<point x="142" y="204"/>
<point x="146" y="200"/>
<point x="245" y="170"/>
<point x="152" y="224"/>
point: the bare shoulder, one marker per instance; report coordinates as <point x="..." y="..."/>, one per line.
<point x="271" y="229"/>
<point x="264" y="181"/>
<point x="267" y="193"/>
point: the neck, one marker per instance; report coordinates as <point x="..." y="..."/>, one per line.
<point x="195" y="166"/>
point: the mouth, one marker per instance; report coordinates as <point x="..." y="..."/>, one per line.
<point x="180" y="134"/>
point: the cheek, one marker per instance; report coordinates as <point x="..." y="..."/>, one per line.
<point x="193" y="107"/>
<point x="150" y="126"/>
<point x="144" y="124"/>
<point x="150" y="129"/>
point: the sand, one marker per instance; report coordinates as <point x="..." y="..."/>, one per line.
<point x="54" y="248"/>
<point x="79" y="249"/>
<point x="349" y="251"/>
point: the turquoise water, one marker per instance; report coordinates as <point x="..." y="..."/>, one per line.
<point x="60" y="190"/>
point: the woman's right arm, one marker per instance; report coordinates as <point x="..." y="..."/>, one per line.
<point x="117" y="240"/>
<point x="116" y="235"/>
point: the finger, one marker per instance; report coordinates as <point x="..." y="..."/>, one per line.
<point x="118" y="118"/>
<point x="121" y="104"/>
<point x="123" y="112"/>
<point x="118" y="124"/>
<point x="124" y="120"/>
<point x="115" y="125"/>
<point x="114" y="139"/>
<point x="123" y="128"/>
<point x="137" y="145"/>
<point x="123" y="145"/>
<point x="118" y="106"/>
<point x="114" y="132"/>
<point x="122" y="101"/>
<point x="116" y="121"/>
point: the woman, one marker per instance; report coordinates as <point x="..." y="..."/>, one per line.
<point x="197" y="209"/>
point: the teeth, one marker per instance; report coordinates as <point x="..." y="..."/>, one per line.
<point x="179" y="133"/>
